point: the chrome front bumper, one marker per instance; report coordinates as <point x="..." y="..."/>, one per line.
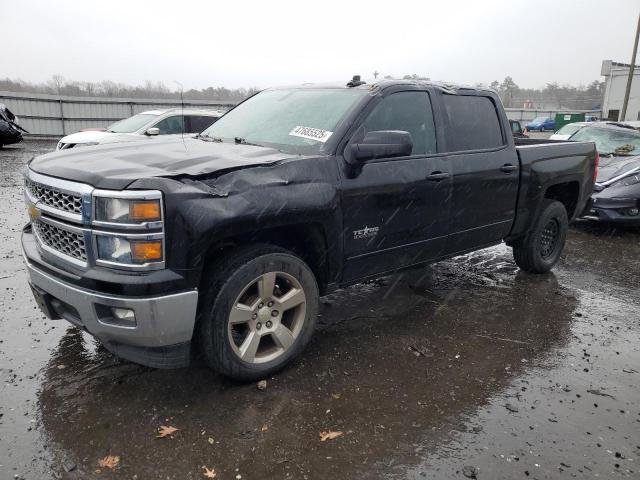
<point x="160" y="321"/>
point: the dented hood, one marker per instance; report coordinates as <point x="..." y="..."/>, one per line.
<point x="116" y="166"/>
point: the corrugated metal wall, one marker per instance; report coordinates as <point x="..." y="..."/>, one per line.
<point x="527" y="115"/>
<point x="51" y="115"/>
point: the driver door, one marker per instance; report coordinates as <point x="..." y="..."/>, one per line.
<point x="396" y="210"/>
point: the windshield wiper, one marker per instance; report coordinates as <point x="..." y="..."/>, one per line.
<point x="208" y="138"/>
<point x="242" y="141"/>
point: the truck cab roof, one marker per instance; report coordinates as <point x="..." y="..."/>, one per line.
<point x="449" y="88"/>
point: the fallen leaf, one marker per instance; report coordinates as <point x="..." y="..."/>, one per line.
<point x="262" y="385"/>
<point x="324" y="436"/>
<point x="209" y="473"/>
<point x="166" y="431"/>
<point x="210" y="440"/>
<point x="110" y="461"/>
<point x="264" y="428"/>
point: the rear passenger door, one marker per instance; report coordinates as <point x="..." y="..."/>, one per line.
<point x="485" y="169"/>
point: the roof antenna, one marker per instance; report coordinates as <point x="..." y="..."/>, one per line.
<point x="355" y="81"/>
<point x="181" y="108"/>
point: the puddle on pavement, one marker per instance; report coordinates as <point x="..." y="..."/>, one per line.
<point x="415" y="369"/>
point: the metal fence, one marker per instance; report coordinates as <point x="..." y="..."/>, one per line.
<point x="56" y="116"/>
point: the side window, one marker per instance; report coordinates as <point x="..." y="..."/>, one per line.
<point x="170" y="125"/>
<point x="472" y="123"/>
<point x="197" y="123"/>
<point x="407" y="111"/>
<point x="515" y="127"/>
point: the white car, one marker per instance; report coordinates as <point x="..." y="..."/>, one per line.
<point x="145" y="126"/>
<point x="568" y="130"/>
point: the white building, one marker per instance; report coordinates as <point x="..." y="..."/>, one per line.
<point x="616" y="75"/>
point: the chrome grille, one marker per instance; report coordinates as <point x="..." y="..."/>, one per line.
<point x="54" y="198"/>
<point x="64" y="241"/>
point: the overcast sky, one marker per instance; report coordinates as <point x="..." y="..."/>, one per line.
<point x="264" y="43"/>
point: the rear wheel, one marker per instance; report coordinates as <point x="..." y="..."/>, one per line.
<point x="258" y="312"/>
<point x="539" y="251"/>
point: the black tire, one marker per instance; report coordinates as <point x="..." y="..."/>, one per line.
<point x="539" y="251"/>
<point x="221" y="287"/>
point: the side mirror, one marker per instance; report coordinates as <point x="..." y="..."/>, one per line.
<point x="382" y="144"/>
<point x="152" y="131"/>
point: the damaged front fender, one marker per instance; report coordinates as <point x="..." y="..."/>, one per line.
<point x="206" y="211"/>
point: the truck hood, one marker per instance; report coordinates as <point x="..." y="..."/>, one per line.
<point x="114" y="166"/>
<point x="612" y="166"/>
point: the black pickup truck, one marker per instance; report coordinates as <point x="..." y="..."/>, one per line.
<point x="222" y="243"/>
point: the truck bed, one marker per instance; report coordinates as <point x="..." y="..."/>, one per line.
<point x="570" y="165"/>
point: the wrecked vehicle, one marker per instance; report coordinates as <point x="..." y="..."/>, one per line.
<point x="10" y="131"/>
<point x="616" y="197"/>
<point x="221" y="244"/>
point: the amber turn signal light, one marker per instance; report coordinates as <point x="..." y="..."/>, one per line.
<point x="146" y="251"/>
<point x="144" y="210"/>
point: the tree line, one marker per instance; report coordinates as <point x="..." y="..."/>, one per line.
<point x="552" y="96"/>
<point x="59" y="85"/>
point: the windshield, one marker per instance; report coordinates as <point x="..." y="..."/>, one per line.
<point x="131" y="124"/>
<point x="539" y="119"/>
<point x="610" y="140"/>
<point x="569" y="129"/>
<point x="292" y="120"/>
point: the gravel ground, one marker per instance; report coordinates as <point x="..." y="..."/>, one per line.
<point x="466" y="369"/>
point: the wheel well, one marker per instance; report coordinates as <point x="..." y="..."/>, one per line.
<point x="565" y="193"/>
<point x="305" y="240"/>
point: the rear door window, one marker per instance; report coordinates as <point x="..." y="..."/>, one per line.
<point x="409" y="112"/>
<point x="197" y="123"/>
<point x="472" y="123"/>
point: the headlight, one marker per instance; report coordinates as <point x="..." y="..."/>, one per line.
<point x="129" y="211"/>
<point x="630" y="180"/>
<point x="129" y="251"/>
<point x="129" y="229"/>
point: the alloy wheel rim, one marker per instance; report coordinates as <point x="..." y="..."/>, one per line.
<point x="549" y="238"/>
<point x="267" y="317"/>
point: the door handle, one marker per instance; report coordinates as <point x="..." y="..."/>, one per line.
<point x="437" y="176"/>
<point x="508" y="168"/>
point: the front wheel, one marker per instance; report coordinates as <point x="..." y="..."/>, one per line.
<point x="258" y="312"/>
<point x="539" y="251"/>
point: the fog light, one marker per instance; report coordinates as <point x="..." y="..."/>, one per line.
<point x="633" y="212"/>
<point x="124" y="315"/>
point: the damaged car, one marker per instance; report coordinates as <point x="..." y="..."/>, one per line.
<point x="616" y="197"/>
<point x="10" y="131"/>
<point x="220" y="245"/>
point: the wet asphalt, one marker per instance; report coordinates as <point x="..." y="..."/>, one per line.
<point x="466" y="369"/>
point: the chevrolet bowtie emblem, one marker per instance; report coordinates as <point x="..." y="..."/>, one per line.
<point x="34" y="212"/>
